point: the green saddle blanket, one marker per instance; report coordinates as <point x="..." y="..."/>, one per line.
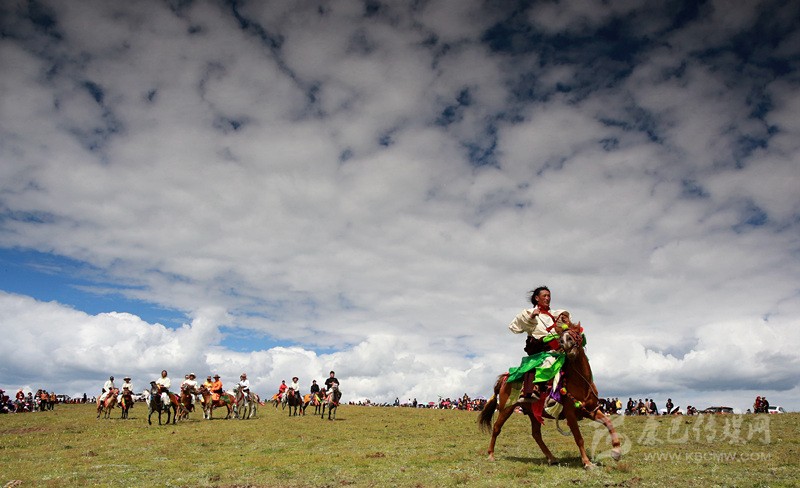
<point x="546" y="364"/>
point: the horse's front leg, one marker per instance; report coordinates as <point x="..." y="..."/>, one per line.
<point x="536" y="432"/>
<point x="616" y="452"/>
<point x="572" y="422"/>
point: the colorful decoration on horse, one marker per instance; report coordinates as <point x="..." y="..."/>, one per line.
<point x="546" y="364"/>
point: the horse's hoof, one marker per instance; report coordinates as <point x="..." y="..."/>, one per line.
<point x="491" y="457"/>
<point x="616" y="455"/>
<point x="589" y="467"/>
<point x="552" y="462"/>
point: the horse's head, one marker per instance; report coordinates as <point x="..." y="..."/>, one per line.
<point x="571" y="339"/>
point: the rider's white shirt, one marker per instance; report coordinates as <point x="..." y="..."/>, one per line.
<point x="295" y="387"/>
<point x="244" y="384"/>
<point x="191" y="383"/>
<point x="535" y="326"/>
<point x="108" y="385"/>
<point x="164" y="382"/>
<point x="125" y="385"/>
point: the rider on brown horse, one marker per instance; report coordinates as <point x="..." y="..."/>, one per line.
<point x="216" y="388"/>
<point x="574" y="392"/>
<point x="539" y="323"/>
<point x="189" y="387"/>
<point x="107" y="387"/>
<point x="127" y="389"/>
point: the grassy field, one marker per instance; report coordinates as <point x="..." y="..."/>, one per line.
<point x="375" y="446"/>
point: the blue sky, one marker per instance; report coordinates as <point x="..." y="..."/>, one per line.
<point x="49" y="277"/>
<point x="286" y="188"/>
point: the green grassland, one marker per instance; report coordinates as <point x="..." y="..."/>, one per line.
<point x="379" y="446"/>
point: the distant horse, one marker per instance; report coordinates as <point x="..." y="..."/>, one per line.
<point x="309" y="399"/>
<point x="246" y="404"/>
<point x="106" y="406"/>
<point x="284" y="400"/>
<point x="276" y="400"/>
<point x="295" y="402"/>
<point x="225" y="400"/>
<point x="316" y="400"/>
<point x="331" y="401"/>
<point x="579" y="397"/>
<point x="154" y="404"/>
<point x="185" y="401"/>
<point x="126" y="403"/>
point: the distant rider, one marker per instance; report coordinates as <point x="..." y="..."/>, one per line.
<point x="126" y="385"/>
<point x="163" y="384"/>
<point x="216" y="388"/>
<point x="107" y="387"/>
<point x="244" y="386"/>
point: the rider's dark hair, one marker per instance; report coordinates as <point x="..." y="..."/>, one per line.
<point x="535" y="294"/>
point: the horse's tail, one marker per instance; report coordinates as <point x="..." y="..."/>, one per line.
<point x="485" y="417"/>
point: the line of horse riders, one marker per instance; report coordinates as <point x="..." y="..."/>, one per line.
<point x="240" y="402"/>
<point x="321" y="398"/>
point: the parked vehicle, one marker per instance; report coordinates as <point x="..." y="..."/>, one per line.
<point x="718" y="410"/>
<point x="775" y="409"/>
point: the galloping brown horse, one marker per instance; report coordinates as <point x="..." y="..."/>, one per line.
<point x="311" y="399"/>
<point x="107" y="405"/>
<point x="295" y="403"/>
<point x="185" y="401"/>
<point x="154" y="404"/>
<point x="225" y="400"/>
<point x="275" y="400"/>
<point x="331" y="401"/>
<point x="126" y="403"/>
<point x="579" y="397"/>
<point x="316" y="400"/>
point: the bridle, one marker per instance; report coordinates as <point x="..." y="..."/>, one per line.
<point x="575" y="334"/>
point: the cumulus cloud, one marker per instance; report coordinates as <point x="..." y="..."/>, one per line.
<point x="372" y="188"/>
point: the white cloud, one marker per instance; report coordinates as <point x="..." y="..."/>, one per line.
<point x="309" y="179"/>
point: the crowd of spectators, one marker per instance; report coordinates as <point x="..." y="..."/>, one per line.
<point x="40" y="401"/>
<point x="462" y="403"/>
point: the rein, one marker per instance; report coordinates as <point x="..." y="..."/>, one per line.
<point x="577" y="338"/>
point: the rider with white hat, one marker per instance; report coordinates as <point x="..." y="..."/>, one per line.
<point x="126" y="384"/>
<point x="190" y="384"/>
